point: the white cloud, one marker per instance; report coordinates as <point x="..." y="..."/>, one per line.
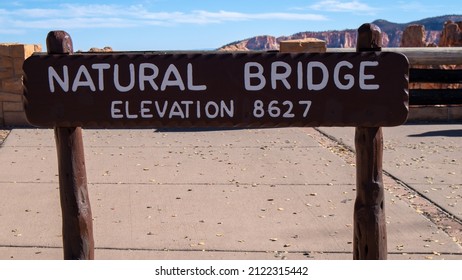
<point x="36" y="13"/>
<point x="342" y="6"/>
<point x="224" y="16"/>
<point x="75" y="23"/>
<point x="116" y="16"/>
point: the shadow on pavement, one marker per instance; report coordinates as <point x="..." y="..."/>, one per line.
<point x="439" y="133"/>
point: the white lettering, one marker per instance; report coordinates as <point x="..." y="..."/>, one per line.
<point x="207" y="110"/>
<point x="148" y="78"/>
<point x="164" y="109"/>
<point x="127" y="111"/>
<point x="343" y="75"/>
<point x="186" y="109"/>
<point x="88" y="82"/>
<point x="363" y="76"/>
<point x="257" y="75"/>
<point x="176" y="111"/>
<point x="178" y="82"/>
<point x="131" y="84"/>
<point x="191" y="85"/>
<point x="101" y="67"/>
<point x="145" y="112"/>
<point x="229" y="110"/>
<point x="325" y="75"/>
<point x="348" y="77"/>
<point x="198" y="109"/>
<point x="187" y="103"/>
<point x="115" y="112"/>
<point x="53" y="75"/>
<point x="300" y="75"/>
<point x="275" y="76"/>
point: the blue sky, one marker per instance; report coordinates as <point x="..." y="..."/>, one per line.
<point x="192" y="25"/>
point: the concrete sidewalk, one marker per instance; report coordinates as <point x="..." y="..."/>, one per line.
<point x="229" y="194"/>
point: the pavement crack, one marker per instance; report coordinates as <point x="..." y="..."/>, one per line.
<point x="430" y="209"/>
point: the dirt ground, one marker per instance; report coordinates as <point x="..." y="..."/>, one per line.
<point x="3" y="135"/>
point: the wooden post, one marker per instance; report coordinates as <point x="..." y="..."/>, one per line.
<point x="370" y="236"/>
<point x="75" y="204"/>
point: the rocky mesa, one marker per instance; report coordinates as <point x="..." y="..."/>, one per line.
<point x="392" y="35"/>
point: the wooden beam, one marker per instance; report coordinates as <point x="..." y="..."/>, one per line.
<point x="422" y="56"/>
<point x="446" y="76"/>
<point x="435" y="96"/>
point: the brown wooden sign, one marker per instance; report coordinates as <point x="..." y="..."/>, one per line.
<point x="216" y="89"/>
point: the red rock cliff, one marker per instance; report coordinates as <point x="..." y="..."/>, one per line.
<point x="254" y="43"/>
<point x="333" y="39"/>
<point x="392" y="35"/>
<point x="414" y="36"/>
<point x="451" y="35"/>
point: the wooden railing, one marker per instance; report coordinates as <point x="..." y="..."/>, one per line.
<point x="422" y="56"/>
